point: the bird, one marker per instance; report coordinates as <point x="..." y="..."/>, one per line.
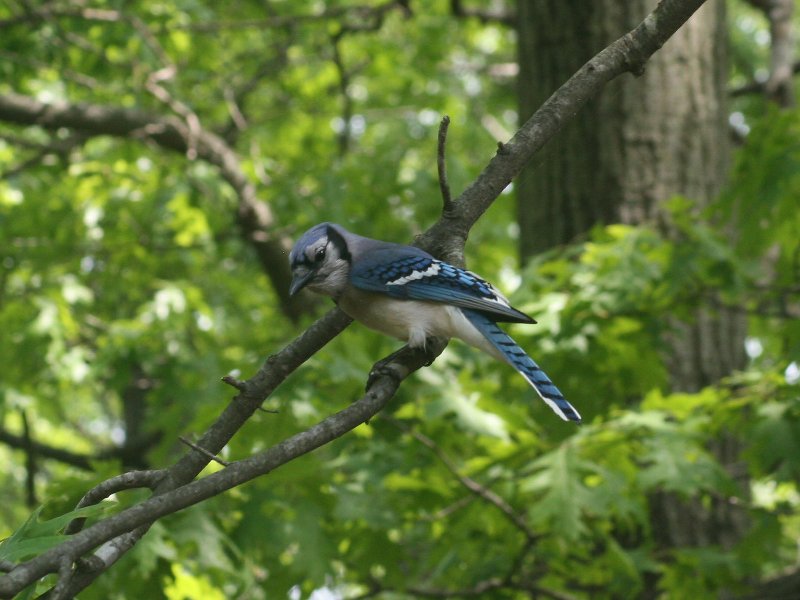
<point x="406" y="293"/>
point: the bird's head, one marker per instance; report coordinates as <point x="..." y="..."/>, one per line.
<point x="320" y="260"/>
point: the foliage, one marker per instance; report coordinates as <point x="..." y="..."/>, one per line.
<point x="126" y="291"/>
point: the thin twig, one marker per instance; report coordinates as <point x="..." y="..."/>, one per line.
<point x="441" y="165"/>
<point x="234" y="382"/>
<point x="174" y="499"/>
<point x="126" y="481"/>
<point x="445" y="512"/>
<point x="193" y="126"/>
<point x="473" y="486"/>
<point x="208" y="454"/>
<point x="179" y="490"/>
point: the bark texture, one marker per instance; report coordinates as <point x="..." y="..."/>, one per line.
<point x="643" y="141"/>
<point x="88" y="553"/>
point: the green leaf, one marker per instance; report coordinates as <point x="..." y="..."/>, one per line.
<point x="35" y="536"/>
<point x="562" y="497"/>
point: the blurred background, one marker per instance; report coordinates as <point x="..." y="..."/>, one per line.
<point x="158" y="158"/>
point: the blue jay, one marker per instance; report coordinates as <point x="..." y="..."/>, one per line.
<point x="404" y="292"/>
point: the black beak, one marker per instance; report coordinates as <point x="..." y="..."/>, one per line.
<point x="300" y="281"/>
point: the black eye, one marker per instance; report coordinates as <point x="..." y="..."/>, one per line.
<point x="320" y="254"/>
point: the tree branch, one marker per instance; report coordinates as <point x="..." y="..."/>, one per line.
<point x="470" y="484"/>
<point x="203" y="451"/>
<point x="127" y="481"/>
<point x="236" y="473"/>
<point x="757" y="87"/>
<point x="81" y="461"/>
<point x="254" y="217"/>
<point x="779" y="86"/>
<point x="441" y="165"/>
<point x="445" y="239"/>
<point x="627" y="54"/>
<point x="252" y="393"/>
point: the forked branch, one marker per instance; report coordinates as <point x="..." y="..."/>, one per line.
<point x="445" y="239"/>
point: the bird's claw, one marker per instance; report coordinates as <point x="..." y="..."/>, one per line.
<point x="385" y="366"/>
<point x="382" y="368"/>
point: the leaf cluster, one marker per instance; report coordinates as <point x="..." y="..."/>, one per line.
<point x="126" y="291"/>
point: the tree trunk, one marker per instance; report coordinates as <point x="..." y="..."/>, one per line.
<point x="642" y="142"/>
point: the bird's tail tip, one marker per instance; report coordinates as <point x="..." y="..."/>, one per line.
<point x="564" y="410"/>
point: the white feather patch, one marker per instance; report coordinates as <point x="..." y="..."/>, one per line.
<point x="429" y="272"/>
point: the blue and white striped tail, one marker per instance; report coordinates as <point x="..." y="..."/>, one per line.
<point x="523" y="363"/>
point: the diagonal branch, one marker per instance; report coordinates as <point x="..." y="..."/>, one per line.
<point x="445" y="239"/>
<point x="236" y="473"/>
<point x="254" y="217"/>
<point x="627" y="54"/>
<point x="484" y="493"/>
<point x="252" y="394"/>
<point x="127" y="481"/>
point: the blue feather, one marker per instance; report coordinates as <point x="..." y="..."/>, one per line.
<point x="412" y="296"/>
<point x="407" y="273"/>
<point x="524" y="364"/>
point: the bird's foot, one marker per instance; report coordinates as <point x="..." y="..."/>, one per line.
<point x="389" y="366"/>
<point x="384" y="368"/>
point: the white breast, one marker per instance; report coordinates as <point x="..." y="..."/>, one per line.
<point x="412" y="320"/>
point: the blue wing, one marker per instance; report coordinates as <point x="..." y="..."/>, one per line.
<point x="408" y="273"/>
<point x="524" y="364"/>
